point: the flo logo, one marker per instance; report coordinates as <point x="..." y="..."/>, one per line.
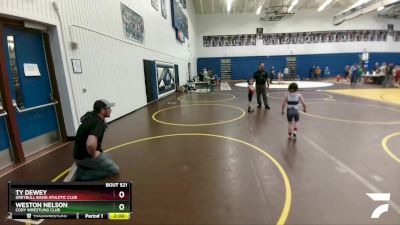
<point x="379" y="197"/>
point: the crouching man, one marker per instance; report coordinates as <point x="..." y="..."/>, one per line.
<point x="92" y="163"/>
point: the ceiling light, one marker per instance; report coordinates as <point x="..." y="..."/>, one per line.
<point x="358" y="3"/>
<point x="259" y="10"/>
<point x="294" y="3"/>
<point x="381" y="6"/>
<point x="228" y="5"/>
<point x="324" y="5"/>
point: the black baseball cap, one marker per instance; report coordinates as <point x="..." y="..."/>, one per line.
<point x="102" y="104"/>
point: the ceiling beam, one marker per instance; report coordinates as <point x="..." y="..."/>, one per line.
<point x="364" y="8"/>
<point x="244" y="6"/>
<point x="201" y="7"/>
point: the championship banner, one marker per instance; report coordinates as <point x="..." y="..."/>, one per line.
<point x="298" y="37"/>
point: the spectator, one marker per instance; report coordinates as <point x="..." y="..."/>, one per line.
<point x="326" y="72"/>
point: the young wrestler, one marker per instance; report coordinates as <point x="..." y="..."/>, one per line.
<point x="292" y="100"/>
<point x="250" y="94"/>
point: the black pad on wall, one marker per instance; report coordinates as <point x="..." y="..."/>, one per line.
<point x="149" y="78"/>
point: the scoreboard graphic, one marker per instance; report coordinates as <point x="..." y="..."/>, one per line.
<point x="75" y="200"/>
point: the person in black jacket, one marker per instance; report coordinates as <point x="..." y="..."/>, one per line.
<point x="261" y="78"/>
<point x="92" y="163"/>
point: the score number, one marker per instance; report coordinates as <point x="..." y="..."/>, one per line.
<point x="121" y="195"/>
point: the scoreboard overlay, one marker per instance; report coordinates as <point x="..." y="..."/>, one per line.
<point x="72" y="200"/>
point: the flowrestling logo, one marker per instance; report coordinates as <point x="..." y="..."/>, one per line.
<point x="380" y="197"/>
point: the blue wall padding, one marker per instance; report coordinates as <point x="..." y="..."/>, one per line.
<point x="243" y="67"/>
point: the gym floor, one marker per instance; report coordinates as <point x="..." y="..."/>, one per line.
<point x="201" y="158"/>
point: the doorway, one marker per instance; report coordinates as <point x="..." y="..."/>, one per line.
<point x="30" y="91"/>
